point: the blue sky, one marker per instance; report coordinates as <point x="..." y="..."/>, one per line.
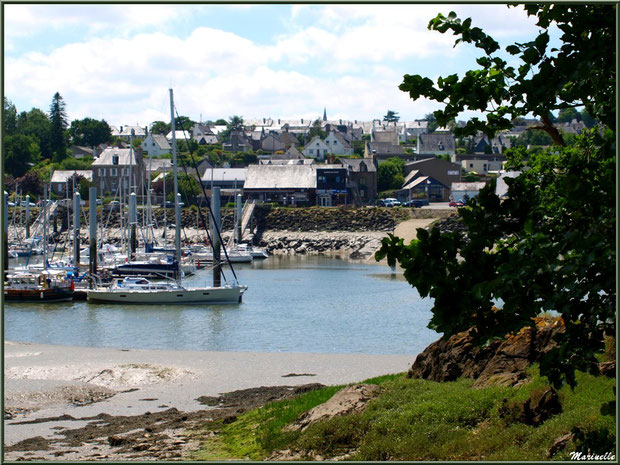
<point x="117" y="62"/>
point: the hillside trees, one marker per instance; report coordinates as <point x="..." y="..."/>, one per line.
<point x="550" y="246"/>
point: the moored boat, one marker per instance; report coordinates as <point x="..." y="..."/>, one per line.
<point x="44" y="286"/>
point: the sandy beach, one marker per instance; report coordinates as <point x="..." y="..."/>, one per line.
<point x="50" y="390"/>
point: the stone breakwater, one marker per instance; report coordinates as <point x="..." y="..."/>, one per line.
<point x="352" y="245"/>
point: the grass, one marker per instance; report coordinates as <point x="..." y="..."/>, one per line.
<point x="415" y="420"/>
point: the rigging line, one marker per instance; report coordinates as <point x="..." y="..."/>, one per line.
<point x="217" y="229"/>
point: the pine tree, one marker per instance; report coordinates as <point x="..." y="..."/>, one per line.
<point x="58" y="117"/>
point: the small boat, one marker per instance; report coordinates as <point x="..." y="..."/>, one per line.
<point x="137" y="290"/>
<point x="44" y="286"/>
<point x="253" y="251"/>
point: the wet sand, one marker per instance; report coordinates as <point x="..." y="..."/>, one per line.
<point x="50" y="390"/>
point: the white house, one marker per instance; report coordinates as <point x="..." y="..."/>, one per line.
<point x="337" y="144"/>
<point x="316" y="148"/>
<point x="156" y="145"/>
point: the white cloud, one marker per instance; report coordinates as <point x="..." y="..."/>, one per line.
<point x="350" y="58"/>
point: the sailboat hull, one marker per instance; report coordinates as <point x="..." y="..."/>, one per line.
<point x="215" y="295"/>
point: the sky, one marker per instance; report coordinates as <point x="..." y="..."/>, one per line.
<point x="116" y="62"/>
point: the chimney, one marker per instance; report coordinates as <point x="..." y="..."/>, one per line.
<point x="278" y="120"/>
<point x="146" y="130"/>
<point x="302" y="121"/>
<point x="121" y="130"/>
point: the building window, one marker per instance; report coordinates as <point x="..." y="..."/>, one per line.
<point x="113" y="172"/>
<point x="471" y="165"/>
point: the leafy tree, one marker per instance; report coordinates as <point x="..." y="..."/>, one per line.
<point x="391" y="174"/>
<point x="587" y="119"/>
<point x="220" y="122"/>
<point x="31" y="183"/>
<point x="9" y="123"/>
<point x="183" y="123"/>
<point x="568" y="114"/>
<point x="36" y="123"/>
<point x="236" y="122"/>
<point x="577" y="74"/>
<point x="316" y="130"/>
<point x="58" y="118"/>
<point x="391" y="116"/>
<point x="20" y="152"/>
<point x="534" y="137"/>
<point x="358" y="147"/>
<point x="83" y="186"/>
<point x="89" y="132"/>
<point x="160" y="127"/>
<point x="432" y="122"/>
<point x="551" y="244"/>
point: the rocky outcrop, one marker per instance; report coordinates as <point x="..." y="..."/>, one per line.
<point x="500" y="363"/>
<point x="539" y="407"/>
<point x="351" y="399"/>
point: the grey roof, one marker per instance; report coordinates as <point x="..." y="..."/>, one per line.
<point x="291" y="154"/>
<point x="63" y="175"/>
<point x="161" y="141"/>
<point x="123" y="157"/>
<point x="354" y="163"/>
<point x="385" y="148"/>
<point x="430" y="143"/>
<point x="281" y="177"/>
<point x="158" y="164"/>
<point x="225" y="174"/>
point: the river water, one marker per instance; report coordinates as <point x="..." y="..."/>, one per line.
<point x="293" y="304"/>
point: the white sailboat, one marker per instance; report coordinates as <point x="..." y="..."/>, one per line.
<point x="142" y="291"/>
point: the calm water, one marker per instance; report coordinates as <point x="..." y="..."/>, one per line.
<point x="298" y="304"/>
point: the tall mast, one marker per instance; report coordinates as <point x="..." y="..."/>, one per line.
<point x="177" y="210"/>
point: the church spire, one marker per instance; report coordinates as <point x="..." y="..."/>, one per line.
<point x="324" y="114"/>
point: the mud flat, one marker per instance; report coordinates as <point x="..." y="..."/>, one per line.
<point x="72" y="403"/>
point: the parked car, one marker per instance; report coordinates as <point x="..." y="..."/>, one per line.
<point x="380" y="203"/>
<point x="11" y="204"/>
<point x="24" y="203"/>
<point x="43" y="203"/>
<point x="419" y="203"/>
<point x="391" y="202"/>
<point x="456" y="203"/>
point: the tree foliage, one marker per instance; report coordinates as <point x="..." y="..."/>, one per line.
<point x="391" y="174"/>
<point x="89" y="132"/>
<point x="550" y="245"/>
<point x="391" y="116"/>
<point x="9" y="120"/>
<point x="36" y="123"/>
<point x="58" y="118"/>
<point x="576" y="74"/>
<point x="20" y="152"/>
<point x="160" y="127"/>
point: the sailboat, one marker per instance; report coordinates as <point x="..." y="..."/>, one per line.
<point x="139" y="290"/>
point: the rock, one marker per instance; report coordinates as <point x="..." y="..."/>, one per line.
<point x="608" y="368"/>
<point x="351" y="399"/>
<point x="447" y="360"/>
<point x="500" y="363"/>
<point x="116" y="441"/>
<point x="539" y="407"/>
<point x="559" y="444"/>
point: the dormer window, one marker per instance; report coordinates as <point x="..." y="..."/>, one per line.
<point x="115" y="159"/>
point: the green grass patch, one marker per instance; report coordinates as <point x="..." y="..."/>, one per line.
<point x="417" y="420"/>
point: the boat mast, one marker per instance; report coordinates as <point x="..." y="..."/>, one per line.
<point x="177" y="210"/>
